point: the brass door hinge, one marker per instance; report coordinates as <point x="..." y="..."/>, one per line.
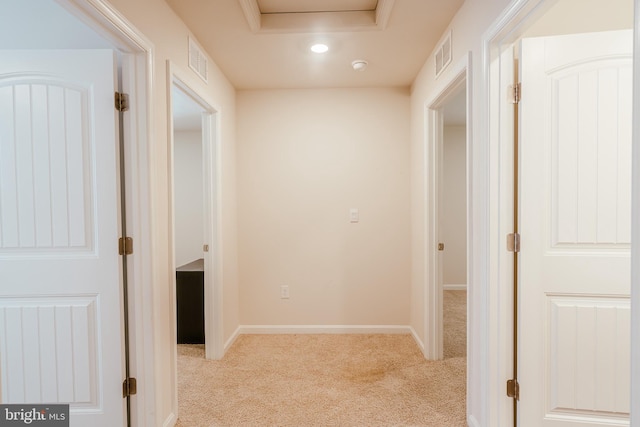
<point x="513" y="389"/>
<point x="122" y="101"/>
<point x="515" y="93"/>
<point x="125" y="246"/>
<point x="513" y="242"/>
<point x="129" y="387"/>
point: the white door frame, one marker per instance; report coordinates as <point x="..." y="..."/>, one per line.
<point x="495" y="316"/>
<point x="137" y="80"/>
<point x="635" y="226"/>
<point x="214" y="346"/>
<point x="459" y="75"/>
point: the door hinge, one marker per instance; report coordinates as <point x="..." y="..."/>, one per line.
<point x="129" y="387"/>
<point x="513" y="389"/>
<point x="122" y="101"/>
<point x="513" y="242"/>
<point x="515" y="93"/>
<point x="441" y="246"/>
<point x="125" y="246"/>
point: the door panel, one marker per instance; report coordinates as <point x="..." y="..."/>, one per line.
<point x="575" y="201"/>
<point x="60" y="298"/>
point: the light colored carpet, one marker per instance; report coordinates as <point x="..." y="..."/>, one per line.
<point x="326" y="380"/>
<point x="455" y="323"/>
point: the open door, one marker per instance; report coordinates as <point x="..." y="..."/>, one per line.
<point x="61" y="337"/>
<point x="575" y="199"/>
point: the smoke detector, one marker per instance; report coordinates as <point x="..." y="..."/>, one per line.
<point x="359" y="64"/>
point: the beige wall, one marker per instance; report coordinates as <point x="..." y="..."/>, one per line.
<point x="169" y="37"/>
<point x="454" y="209"/>
<point x="305" y="157"/>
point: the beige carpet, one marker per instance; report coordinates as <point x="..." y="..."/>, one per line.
<point x="321" y="380"/>
<point x="455" y="323"/>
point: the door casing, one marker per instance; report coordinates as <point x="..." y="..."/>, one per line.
<point x="433" y="323"/>
<point x="212" y="230"/>
<point x="136" y="60"/>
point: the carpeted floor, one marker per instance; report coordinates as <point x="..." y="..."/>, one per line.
<point x="455" y="324"/>
<point x="322" y="380"/>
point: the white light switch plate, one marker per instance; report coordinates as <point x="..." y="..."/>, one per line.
<point x="354" y="215"/>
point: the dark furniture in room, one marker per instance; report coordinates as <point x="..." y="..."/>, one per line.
<point x="190" y="302"/>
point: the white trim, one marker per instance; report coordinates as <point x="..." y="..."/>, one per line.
<point x="324" y="329"/>
<point x="383" y="13"/>
<point x="170" y="421"/>
<point x="319" y="329"/>
<point x="138" y="58"/>
<point x="458" y="75"/>
<point x="232" y="339"/>
<point x="211" y="150"/>
<point x="454" y="287"/>
<point x="491" y="352"/>
<point x="355" y="20"/>
<point x="472" y="421"/>
<point x="214" y="348"/>
<point x="252" y="14"/>
<point x="635" y="228"/>
<point x="417" y="339"/>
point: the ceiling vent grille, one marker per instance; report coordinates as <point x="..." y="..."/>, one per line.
<point x="443" y="54"/>
<point x="197" y="60"/>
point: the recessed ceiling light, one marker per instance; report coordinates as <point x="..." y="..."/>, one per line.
<point x="319" y="48"/>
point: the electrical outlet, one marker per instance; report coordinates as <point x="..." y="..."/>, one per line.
<point x="284" y="292"/>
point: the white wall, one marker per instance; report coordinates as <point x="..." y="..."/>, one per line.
<point x="305" y="157"/>
<point x="454" y="210"/>
<point x="188" y="196"/>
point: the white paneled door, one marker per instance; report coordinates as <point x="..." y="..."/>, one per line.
<point x="575" y="199"/>
<point x="60" y="298"/>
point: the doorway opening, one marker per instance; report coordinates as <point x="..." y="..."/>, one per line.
<point x="189" y="220"/>
<point x="195" y="234"/>
<point x="195" y="246"/>
<point x="448" y="210"/>
<point x="453" y="223"/>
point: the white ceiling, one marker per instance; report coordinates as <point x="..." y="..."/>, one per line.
<point x="36" y="25"/>
<point x="278" y="55"/>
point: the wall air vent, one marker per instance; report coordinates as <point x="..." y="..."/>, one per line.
<point x="443" y="54"/>
<point x="197" y="60"/>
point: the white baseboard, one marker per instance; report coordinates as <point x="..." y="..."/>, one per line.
<point x="170" y="421"/>
<point x="232" y="339"/>
<point x="462" y="287"/>
<point x="472" y="422"/>
<point x="417" y="339"/>
<point x="324" y="329"/>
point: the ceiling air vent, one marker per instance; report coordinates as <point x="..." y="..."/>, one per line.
<point x="443" y="54"/>
<point x="197" y="59"/>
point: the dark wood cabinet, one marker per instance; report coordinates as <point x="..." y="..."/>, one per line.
<point x="190" y="302"/>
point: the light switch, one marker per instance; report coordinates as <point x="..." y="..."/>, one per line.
<point x="354" y="215"/>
